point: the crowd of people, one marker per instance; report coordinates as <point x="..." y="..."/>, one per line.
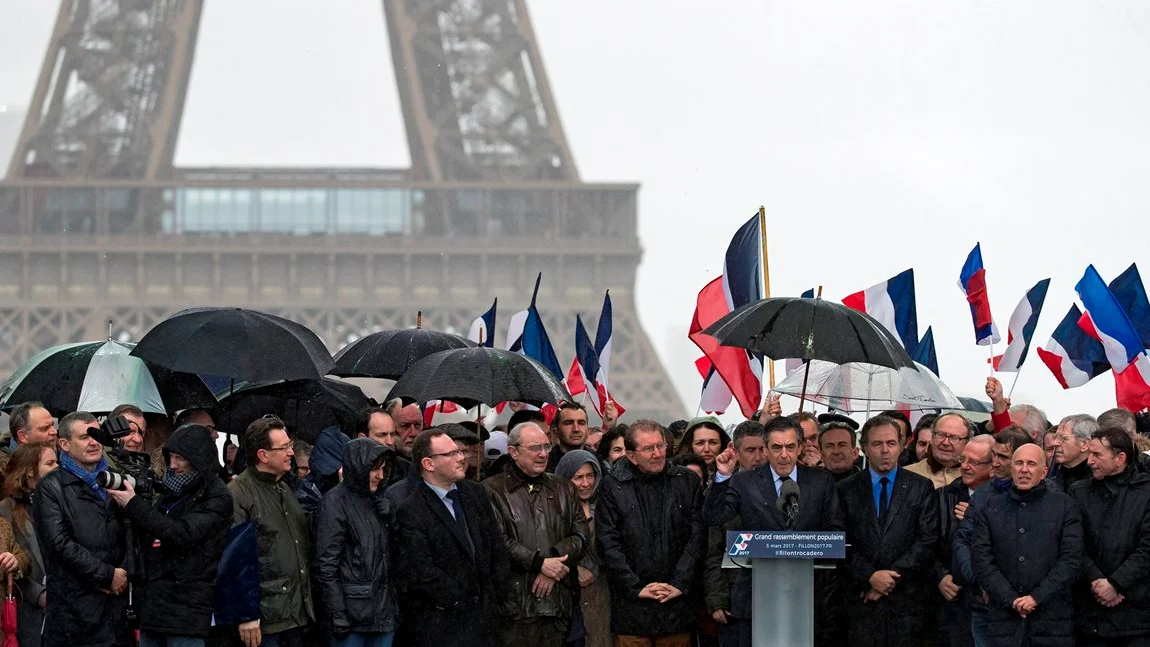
<point x="554" y="533"/>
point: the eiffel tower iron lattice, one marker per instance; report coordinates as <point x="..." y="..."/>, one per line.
<point x="98" y="224"/>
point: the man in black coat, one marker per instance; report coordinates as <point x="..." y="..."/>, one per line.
<point x="651" y="536"/>
<point x="1112" y="599"/>
<point x="182" y="537"/>
<point x="452" y="556"/>
<point x="82" y="541"/>
<point x="1027" y="552"/>
<point x="353" y="550"/>
<point x="891" y="518"/>
<point x="752" y="496"/>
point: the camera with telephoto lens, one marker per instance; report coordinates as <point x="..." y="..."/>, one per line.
<point x="136" y="467"/>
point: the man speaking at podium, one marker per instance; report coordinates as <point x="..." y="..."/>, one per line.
<point x="780" y="495"/>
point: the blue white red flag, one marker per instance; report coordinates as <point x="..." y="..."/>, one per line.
<point x="1020" y="332"/>
<point x="743" y="266"/>
<point x="1131" y="295"/>
<point x="972" y="282"/>
<point x="891" y="303"/>
<point x="924" y="352"/>
<point x="732" y="364"/>
<point x="585" y="367"/>
<point x="482" y="329"/>
<point x="715" y="395"/>
<point x="1105" y="319"/>
<point x="1072" y="356"/>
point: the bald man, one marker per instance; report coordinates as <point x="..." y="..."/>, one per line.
<point x="1027" y="552"/>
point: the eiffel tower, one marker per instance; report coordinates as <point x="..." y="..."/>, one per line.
<point x="98" y="224"/>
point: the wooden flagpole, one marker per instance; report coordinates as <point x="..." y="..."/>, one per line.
<point x="766" y="281"/>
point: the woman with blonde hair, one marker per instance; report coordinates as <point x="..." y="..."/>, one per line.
<point x="28" y="464"/>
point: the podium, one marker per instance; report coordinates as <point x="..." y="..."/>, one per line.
<point x="782" y="581"/>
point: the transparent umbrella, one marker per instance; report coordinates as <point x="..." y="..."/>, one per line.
<point x="858" y="386"/>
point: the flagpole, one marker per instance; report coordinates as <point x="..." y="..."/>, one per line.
<point x="766" y="279"/>
<point x="992" y="358"/>
<point x="1015" y="383"/>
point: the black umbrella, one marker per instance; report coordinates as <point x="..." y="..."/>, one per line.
<point x="389" y="353"/>
<point x="474" y="376"/>
<point x="306" y="406"/>
<point x="98" y="376"/>
<point x="804" y="328"/>
<point x="236" y="343"/>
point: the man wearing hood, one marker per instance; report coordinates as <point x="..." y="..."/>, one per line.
<point x="1112" y="600"/>
<point x="546" y="535"/>
<point x="183" y="537"/>
<point x="353" y="550"/>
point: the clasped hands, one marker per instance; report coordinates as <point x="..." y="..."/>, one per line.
<point x="881" y="584"/>
<point x="660" y="592"/>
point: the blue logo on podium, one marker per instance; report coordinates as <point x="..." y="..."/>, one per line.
<point x="786" y="544"/>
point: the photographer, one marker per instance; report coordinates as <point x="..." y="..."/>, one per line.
<point x="82" y="541"/>
<point x="184" y="535"/>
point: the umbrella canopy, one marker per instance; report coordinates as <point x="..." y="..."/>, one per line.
<point x="798" y="328"/>
<point x="474" y="376"/>
<point x="97" y="377"/>
<point x="389" y="353"/>
<point x="235" y="343"/>
<point x="869" y="387"/>
<point x="306" y="406"/>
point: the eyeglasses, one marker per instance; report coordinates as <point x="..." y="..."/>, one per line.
<point x="290" y="445"/>
<point x="952" y="438"/>
<point x="535" y="449"/>
<point x="651" y="449"/>
<point x="455" y="453"/>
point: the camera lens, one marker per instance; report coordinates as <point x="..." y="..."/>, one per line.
<point x="110" y="480"/>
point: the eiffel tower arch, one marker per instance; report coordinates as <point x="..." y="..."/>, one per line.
<point x="98" y="224"/>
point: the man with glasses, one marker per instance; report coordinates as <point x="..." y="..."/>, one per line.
<point x="1071" y="449"/>
<point x="453" y="561"/>
<point x="651" y="536"/>
<point x="751" y="495"/>
<point x="546" y="535"/>
<point x="408" y="422"/>
<point x="948" y="437"/>
<point x="259" y="494"/>
<point x="953" y="616"/>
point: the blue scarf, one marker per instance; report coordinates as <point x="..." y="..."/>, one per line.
<point x="69" y="464"/>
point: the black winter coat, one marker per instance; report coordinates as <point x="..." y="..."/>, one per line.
<point x="451" y="583"/>
<point x="82" y="540"/>
<point x="1116" y="522"/>
<point x="183" y="538"/>
<point x="638" y="550"/>
<point x="1029" y="543"/>
<point x="352" y="547"/>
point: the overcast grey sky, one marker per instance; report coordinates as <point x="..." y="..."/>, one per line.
<point x="879" y="135"/>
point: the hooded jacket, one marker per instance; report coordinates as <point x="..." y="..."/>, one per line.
<point x="182" y="538"/>
<point x="353" y="547"/>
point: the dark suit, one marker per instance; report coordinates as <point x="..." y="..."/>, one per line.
<point x="904" y="542"/>
<point x="751" y="496"/>
<point x="451" y="581"/>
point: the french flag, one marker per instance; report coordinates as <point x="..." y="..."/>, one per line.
<point x="1132" y="386"/>
<point x="892" y="304"/>
<point x="482" y="329"/>
<point x="715" y="396"/>
<point x="924" y="352"/>
<point x="1131" y="295"/>
<point x="972" y="282"/>
<point x="730" y="363"/>
<point x="527" y="335"/>
<point x="1071" y="355"/>
<point x="1021" y="329"/>
<point x="1105" y="319"/>
<point x="585" y="366"/>
<point x="604" y="333"/>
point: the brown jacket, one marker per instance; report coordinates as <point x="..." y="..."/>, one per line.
<point x="940" y="476"/>
<point x="8" y="545"/>
<point x="538" y="518"/>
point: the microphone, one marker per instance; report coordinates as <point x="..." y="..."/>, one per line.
<point x="788" y="501"/>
